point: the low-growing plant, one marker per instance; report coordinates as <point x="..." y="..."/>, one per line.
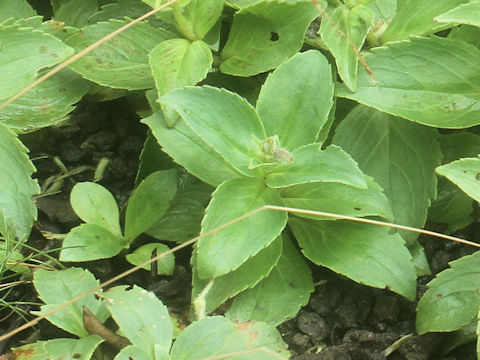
<point x="331" y="129"/>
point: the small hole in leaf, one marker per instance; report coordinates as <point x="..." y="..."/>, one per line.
<point x="358" y="208"/>
<point x="477" y="176"/>
<point x="274" y="36"/>
<point x="77" y="356"/>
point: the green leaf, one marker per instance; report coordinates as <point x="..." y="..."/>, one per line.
<point x="226" y="249"/>
<point x="385" y="9"/>
<point x="280" y="295"/>
<point x="65" y="349"/>
<point x="17" y="209"/>
<point x="178" y="62"/>
<point x="311" y="164"/>
<point x="121" y="62"/>
<point x="190" y="151"/>
<point x="246" y="276"/>
<point x="149" y="201"/>
<point x="355" y="24"/>
<point x="416" y="18"/>
<point x="156" y="3"/>
<point x="57" y="287"/>
<point x="446" y="96"/>
<point x="468" y="13"/>
<point x="45" y="105"/>
<point x="400" y="155"/>
<point x="265" y="34"/>
<point x="466" y="33"/>
<point x="465" y="173"/>
<point x="95" y="205"/>
<point x="23" y="52"/>
<point x="217" y="336"/>
<point x="365" y="253"/>
<point x="296" y="98"/>
<point x="16" y="9"/>
<point x="242" y="3"/>
<point x="459" y="145"/>
<point x="339" y="199"/>
<point x="452" y="298"/>
<point x="202" y="15"/>
<point x="89" y="242"/>
<point x="165" y="265"/>
<point x="143" y="318"/>
<point x="76" y="12"/>
<point x="222" y="119"/>
<point x="135" y="352"/>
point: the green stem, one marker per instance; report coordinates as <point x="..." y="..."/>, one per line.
<point x="182" y="24"/>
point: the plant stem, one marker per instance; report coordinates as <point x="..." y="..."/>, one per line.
<point x="182" y="24"/>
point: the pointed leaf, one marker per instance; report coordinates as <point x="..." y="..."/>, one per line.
<point x="465" y="173"/>
<point x="95" y="205"/>
<point x="311" y="164"/>
<point x="23" y="52"/>
<point x="452" y="298"/>
<point x="265" y="34"/>
<point x="400" y="155"/>
<point x="446" y="96"/>
<point x="89" y="242"/>
<point x="178" y="62"/>
<point x="47" y="104"/>
<point x="416" y="18"/>
<point x="57" y="287"/>
<point x="165" y="265"/>
<point x="17" y="209"/>
<point x="149" y="201"/>
<point x="222" y="119"/>
<point x="182" y="220"/>
<point x="339" y="199"/>
<point x="227" y="249"/>
<point x="296" y="98"/>
<point x="143" y="318"/>
<point x="355" y="24"/>
<point x="280" y="295"/>
<point x="217" y="336"/>
<point x="246" y="276"/>
<point x="190" y="151"/>
<point x="16" y="9"/>
<point x="65" y="349"/>
<point x="121" y="62"/>
<point x="365" y="253"/>
<point x="202" y="15"/>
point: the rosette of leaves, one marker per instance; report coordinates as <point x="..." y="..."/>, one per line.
<point x="271" y="155"/>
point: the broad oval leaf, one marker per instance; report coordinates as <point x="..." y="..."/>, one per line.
<point x="339" y="199"/>
<point x="280" y="295"/>
<point x="452" y="298"/>
<point x="165" y="265"/>
<point x="264" y="34"/>
<point x="46" y="104"/>
<point x="296" y="98"/>
<point x="89" y="242"/>
<point x="202" y="15"/>
<point x="190" y="151"/>
<point x="355" y="24"/>
<point x="417" y="18"/>
<point x="311" y="164"/>
<point x="23" y="52"/>
<point x="57" y="287"/>
<point x="226" y="249"/>
<point x="149" y="201"/>
<point x="95" y="205"/>
<point x="143" y="318"/>
<point x="178" y="62"/>
<point x="246" y="276"/>
<point x="365" y="253"/>
<point x="217" y="336"/>
<point x="420" y="80"/>
<point x="401" y="156"/>
<point x="222" y="119"/>
<point x="122" y="62"/>
<point x="467" y="13"/>
<point x="465" y="173"/>
<point x="17" y="209"/>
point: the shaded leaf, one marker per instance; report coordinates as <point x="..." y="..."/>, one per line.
<point x="227" y="249"/>
<point x="280" y="295"/>
<point x="420" y="80"/>
<point x="296" y="98"/>
<point x="76" y="12"/>
<point x="16" y="9"/>
<point x="202" y="15"/>
<point x="365" y="253"/>
<point x="165" y="265"/>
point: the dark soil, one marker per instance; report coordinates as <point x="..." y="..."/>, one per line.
<point x="343" y="320"/>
